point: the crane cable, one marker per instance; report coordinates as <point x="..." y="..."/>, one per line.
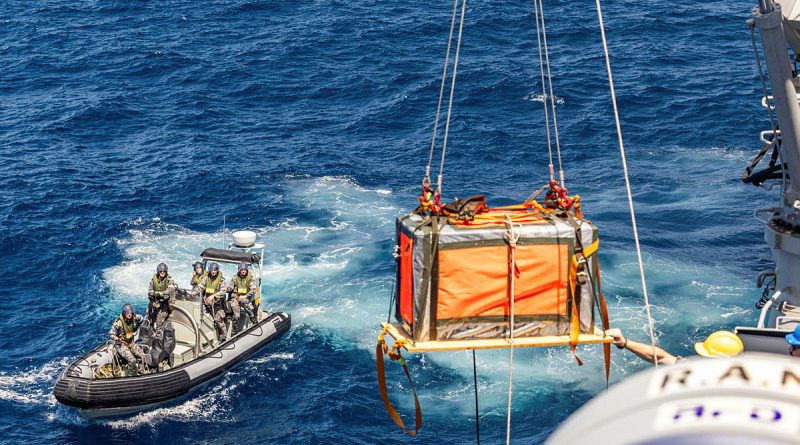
<point x="450" y="101"/>
<point x="427" y="179"/>
<point x="544" y="91"/>
<point x="627" y="182"/>
<point x="540" y="17"/>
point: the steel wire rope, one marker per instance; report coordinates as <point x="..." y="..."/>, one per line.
<point x="477" y="416"/>
<point x="627" y="181"/>
<point x="441" y="93"/>
<point x="552" y="95"/>
<point x="544" y="91"/>
<point x="450" y="101"/>
<point x="769" y="110"/>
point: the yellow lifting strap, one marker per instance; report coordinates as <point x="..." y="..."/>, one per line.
<point x="575" y="322"/>
<point x="394" y="355"/>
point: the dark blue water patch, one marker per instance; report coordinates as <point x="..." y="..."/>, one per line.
<point x="129" y="125"/>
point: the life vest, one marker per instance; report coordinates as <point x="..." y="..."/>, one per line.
<point x="128" y="329"/>
<point x="242" y="286"/>
<point x="212" y="284"/>
<point x="160" y="285"/>
<point x="197" y="280"/>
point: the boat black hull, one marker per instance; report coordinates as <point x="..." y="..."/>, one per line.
<point x="117" y="396"/>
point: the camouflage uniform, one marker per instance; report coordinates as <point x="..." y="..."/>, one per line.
<point x="214" y="300"/>
<point x="243" y="293"/>
<point x="194" y="285"/>
<point x="160" y="293"/>
<point x="123" y="333"/>
<point x="196" y="279"/>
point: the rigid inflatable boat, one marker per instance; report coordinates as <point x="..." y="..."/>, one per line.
<point x="185" y="353"/>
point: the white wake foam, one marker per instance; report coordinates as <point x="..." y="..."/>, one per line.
<point x="315" y="271"/>
<point x="32" y="386"/>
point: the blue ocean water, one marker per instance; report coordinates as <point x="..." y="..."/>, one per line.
<point x="129" y="131"/>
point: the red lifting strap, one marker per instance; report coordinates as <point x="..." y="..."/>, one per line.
<point x="604" y="317"/>
<point x="379" y="351"/>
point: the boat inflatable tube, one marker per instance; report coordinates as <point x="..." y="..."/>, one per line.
<point x="127" y="393"/>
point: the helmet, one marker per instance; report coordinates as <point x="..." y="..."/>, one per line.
<point x="720" y="344"/>
<point x="127" y="309"/>
<point x="242" y="266"/>
<point x="213" y="267"/>
<point x="161" y="268"/>
<point x="793" y="339"/>
<point x="197" y="264"/>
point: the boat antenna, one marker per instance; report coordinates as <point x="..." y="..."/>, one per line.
<point x="223" y="230"/>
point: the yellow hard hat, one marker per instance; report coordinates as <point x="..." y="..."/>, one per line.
<point x="720" y="344"/>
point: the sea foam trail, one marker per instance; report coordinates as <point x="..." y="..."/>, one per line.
<point x="323" y="273"/>
<point x="32" y="386"/>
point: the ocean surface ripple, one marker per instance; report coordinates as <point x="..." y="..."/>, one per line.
<point x="132" y="130"/>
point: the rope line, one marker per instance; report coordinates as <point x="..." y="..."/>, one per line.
<point x="552" y="96"/>
<point x="627" y="181"/>
<point x="544" y="90"/>
<point x="511" y="237"/>
<point x="450" y="101"/>
<point x="427" y="179"/>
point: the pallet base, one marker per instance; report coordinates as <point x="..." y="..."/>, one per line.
<point x="598" y="337"/>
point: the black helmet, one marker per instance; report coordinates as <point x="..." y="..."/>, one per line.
<point x="198" y="264"/>
<point x="242" y="266"/>
<point x="161" y="268"/>
<point x="127" y="309"/>
<point x="213" y="267"/>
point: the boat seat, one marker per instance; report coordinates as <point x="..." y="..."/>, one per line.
<point x="763" y="339"/>
<point x="181" y="354"/>
<point x="787" y="323"/>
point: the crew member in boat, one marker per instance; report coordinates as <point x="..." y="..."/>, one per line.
<point x="793" y="340"/>
<point x="160" y="292"/>
<point x="718" y="344"/>
<point x="212" y="286"/>
<point x="243" y="292"/>
<point x="123" y="331"/>
<point x="197" y="274"/>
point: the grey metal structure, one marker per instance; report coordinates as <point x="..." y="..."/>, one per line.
<point x="778" y="24"/>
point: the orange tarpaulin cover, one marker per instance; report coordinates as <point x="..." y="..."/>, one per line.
<point x="473" y="282"/>
<point x="406" y="276"/>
